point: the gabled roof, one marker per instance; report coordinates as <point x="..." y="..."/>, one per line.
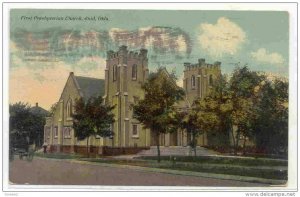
<point x="164" y="73"/>
<point x="87" y="87"/>
<point x="90" y="87"/>
<point x="181" y="104"/>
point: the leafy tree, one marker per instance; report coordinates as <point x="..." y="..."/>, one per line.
<point x="231" y="103"/>
<point x="20" y="124"/>
<point x="242" y="89"/>
<point x="156" y="110"/>
<point x="271" y="122"/>
<point x="53" y="108"/>
<point x="92" y="117"/>
<point x="215" y="109"/>
<point x="246" y="106"/>
<point x="25" y="126"/>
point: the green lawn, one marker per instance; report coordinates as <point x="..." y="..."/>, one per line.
<point x="251" y="167"/>
<point x="222" y="160"/>
<point x="263" y="169"/>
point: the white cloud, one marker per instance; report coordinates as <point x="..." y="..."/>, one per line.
<point x="224" y="37"/>
<point x="273" y="76"/>
<point x="182" y="47"/>
<point x="263" y="56"/>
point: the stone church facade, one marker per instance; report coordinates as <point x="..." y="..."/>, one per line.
<point x="125" y="72"/>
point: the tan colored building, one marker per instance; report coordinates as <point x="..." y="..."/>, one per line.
<point x="125" y="72"/>
<point x="199" y="78"/>
<point x="58" y="131"/>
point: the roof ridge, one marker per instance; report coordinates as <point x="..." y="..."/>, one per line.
<point x="93" y="78"/>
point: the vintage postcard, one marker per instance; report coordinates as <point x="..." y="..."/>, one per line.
<point x="188" y="97"/>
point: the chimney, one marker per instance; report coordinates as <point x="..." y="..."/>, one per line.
<point x="36" y="104"/>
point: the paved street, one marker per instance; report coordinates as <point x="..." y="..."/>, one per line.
<point x="61" y="172"/>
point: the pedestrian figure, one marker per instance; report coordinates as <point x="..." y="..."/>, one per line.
<point x="45" y="147"/>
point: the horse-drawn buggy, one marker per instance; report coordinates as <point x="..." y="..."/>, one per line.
<point x="24" y="150"/>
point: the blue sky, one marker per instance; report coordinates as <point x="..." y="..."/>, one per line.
<point x="40" y="49"/>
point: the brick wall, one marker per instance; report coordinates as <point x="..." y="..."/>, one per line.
<point x="96" y="150"/>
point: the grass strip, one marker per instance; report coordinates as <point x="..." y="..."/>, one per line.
<point x="217" y="169"/>
<point x="222" y="160"/>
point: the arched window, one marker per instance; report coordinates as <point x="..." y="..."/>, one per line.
<point x="114" y="72"/>
<point x="67" y="132"/>
<point x="210" y="80"/>
<point x="135" y="133"/>
<point x="55" y="131"/>
<point x="134" y="71"/>
<point x="193" y="81"/>
<point x="69" y="109"/>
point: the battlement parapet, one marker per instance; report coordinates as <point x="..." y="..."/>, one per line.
<point x="123" y="51"/>
<point x="201" y="64"/>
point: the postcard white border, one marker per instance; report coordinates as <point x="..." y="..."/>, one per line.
<point x="293" y="76"/>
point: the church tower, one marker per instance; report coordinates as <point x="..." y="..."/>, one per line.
<point x="125" y="73"/>
<point x="199" y="78"/>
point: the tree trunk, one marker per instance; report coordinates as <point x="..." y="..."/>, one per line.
<point x="237" y="142"/>
<point x="158" y="150"/>
<point x="244" y="146"/>
<point x="87" y="147"/>
<point x="194" y="144"/>
<point x="233" y="139"/>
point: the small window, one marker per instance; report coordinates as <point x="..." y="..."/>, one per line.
<point x="56" y="132"/>
<point x="193" y="82"/>
<point x="134" y="130"/>
<point x="210" y="80"/>
<point x="69" y="109"/>
<point x="47" y="132"/>
<point x="134" y="72"/>
<point x="114" y="72"/>
<point x="67" y="132"/>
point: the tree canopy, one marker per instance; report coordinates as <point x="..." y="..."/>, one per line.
<point x="270" y="125"/>
<point x="25" y="126"/>
<point x="92" y="117"/>
<point x="250" y="106"/>
<point x="156" y="110"/>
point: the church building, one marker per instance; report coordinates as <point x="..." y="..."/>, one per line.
<point x="125" y="73"/>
